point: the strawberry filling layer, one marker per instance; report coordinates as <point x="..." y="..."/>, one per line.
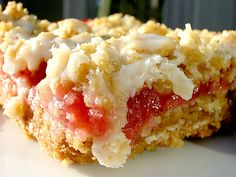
<point x="75" y="114"/>
<point x="67" y="106"/>
<point x="148" y="103"/>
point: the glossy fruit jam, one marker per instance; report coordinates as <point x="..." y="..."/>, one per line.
<point x="148" y="103"/>
<point x="68" y="107"/>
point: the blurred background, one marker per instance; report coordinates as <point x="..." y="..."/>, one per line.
<point x="211" y="14"/>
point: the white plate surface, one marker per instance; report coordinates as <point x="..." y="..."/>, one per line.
<point x="214" y="157"/>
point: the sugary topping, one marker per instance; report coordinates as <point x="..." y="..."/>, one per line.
<point x="130" y="78"/>
<point x="27" y="22"/>
<point x="151" y="27"/>
<point x="15" y="15"/>
<point x="29" y="53"/>
<point x="115" y="25"/>
<point x="186" y="36"/>
<point x="69" y="27"/>
<point x="205" y="53"/>
<point x="145" y="43"/>
<point x="25" y="47"/>
<point x="68" y="64"/>
<point x="24" y="44"/>
<point x="227" y="43"/>
<point x="182" y="85"/>
<point x="14" y="11"/>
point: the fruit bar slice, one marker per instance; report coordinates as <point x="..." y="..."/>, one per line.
<point x="109" y="99"/>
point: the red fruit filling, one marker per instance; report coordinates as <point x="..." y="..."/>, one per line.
<point x="72" y="112"/>
<point x="148" y="103"/>
<point x="68" y="107"/>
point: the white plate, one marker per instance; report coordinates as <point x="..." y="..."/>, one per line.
<point x="214" y="157"/>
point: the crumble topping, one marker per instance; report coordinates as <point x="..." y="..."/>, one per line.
<point x="152" y="27"/>
<point x="114" y="25"/>
<point x="145" y="43"/>
<point x="68" y="64"/>
<point x="69" y="27"/>
<point x="14" y="15"/>
<point x="27" y="22"/>
<point x="186" y="36"/>
<point x="14" y="11"/>
<point x="29" y="53"/>
<point x="27" y="42"/>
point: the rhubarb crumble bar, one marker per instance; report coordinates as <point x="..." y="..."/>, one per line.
<point x="109" y="88"/>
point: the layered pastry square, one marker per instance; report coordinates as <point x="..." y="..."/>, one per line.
<point x="109" y="88"/>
